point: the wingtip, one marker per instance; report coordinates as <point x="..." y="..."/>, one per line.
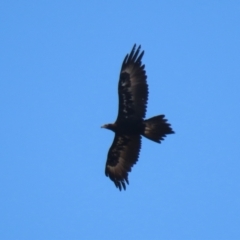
<point x="120" y="184"/>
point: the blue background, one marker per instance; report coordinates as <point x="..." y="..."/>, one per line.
<point x="60" y="63"/>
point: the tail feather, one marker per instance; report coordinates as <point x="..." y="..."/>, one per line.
<point x="156" y="128"/>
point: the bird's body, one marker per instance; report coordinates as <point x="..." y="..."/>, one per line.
<point x="128" y="127"/>
<point x="130" y="124"/>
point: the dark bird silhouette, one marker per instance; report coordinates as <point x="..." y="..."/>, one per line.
<point x="130" y="123"/>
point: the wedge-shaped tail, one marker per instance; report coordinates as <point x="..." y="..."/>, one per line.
<point x="156" y="128"/>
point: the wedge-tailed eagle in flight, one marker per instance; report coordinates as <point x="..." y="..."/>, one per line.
<point x="130" y="124"/>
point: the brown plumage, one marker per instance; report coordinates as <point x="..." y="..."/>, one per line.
<point x="130" y="123"/>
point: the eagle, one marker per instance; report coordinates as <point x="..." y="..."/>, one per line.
<point x="130" y="124"/>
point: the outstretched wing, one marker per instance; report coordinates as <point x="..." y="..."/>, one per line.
<point x="122" y="155"/>
<point x="132" y="87"/>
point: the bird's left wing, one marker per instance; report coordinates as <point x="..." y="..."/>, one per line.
<point x="132" y="87"/>
<point x="122" y="155"/>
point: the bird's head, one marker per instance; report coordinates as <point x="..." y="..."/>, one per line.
<point x="109" y="126"/>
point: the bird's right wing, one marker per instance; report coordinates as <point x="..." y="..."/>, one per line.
<point x="122" y="155"/>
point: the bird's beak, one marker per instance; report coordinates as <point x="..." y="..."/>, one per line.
<point x="103" y="126"/>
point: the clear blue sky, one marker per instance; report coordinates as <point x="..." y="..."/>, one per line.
<point x="60" y="63"/>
